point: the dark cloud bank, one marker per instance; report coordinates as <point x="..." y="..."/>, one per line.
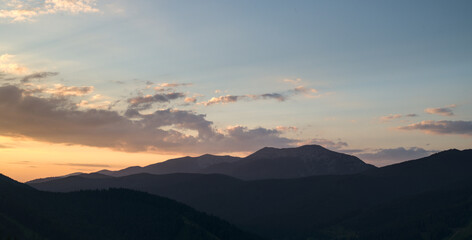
<point x="58" y="120"/>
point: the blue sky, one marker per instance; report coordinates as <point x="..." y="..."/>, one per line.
<point x="354" y="76"/>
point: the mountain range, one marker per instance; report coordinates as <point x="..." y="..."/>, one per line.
<point x="267" y="163"/>
<point x="428" y="198"/>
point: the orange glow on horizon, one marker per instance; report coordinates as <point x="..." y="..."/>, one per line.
<point x="24" y="159"/>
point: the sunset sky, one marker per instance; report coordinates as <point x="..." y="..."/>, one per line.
<point x="92" y="84"/>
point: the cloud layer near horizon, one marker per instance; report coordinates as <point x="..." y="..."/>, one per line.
<point x="442" y="127"/>
<point x="393" y="155"/>
<point x="58" y="120"/>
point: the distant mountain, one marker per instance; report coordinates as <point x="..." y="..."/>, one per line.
<point x="26" y="213"/>
<point x="356" y="206"/>
<point x="177" y="165"/>
<point x="267" y="163"/>
<point x="40" y="180"/>
<point x="304" y="161"/>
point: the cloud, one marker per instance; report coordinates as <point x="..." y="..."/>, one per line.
<point x="276" y="96"/>
<point x="296" y="81"/>
<point x="286" y="129"/>
<point x="21" y="162"/>
<point x="95" y="105"/>
<point x="38" y="75"/>
<point x="3" y="146"/>
<point x="61" y="90"/>
<point x="223" y="100"/>
<point x="97" y="97"/>
<point x="168" y="86"/>
<point x="281" y="97"/>
<point x="441" y="127"/>
<point x="27" y="10"/>
<point x="393" y="155"/>
<point x="145" y="102"/>
<point x="190" y="100"/>
<point x="444" y="111"/>
<point x="58" y="120"/>
<point x="390" y="117"/>
<point x="72" y="6"/>
<point x="97" y="102"/>
<point x="306" y="91"/>
<point x="396" y="116"/>
<point x="7" y="65"/>
<point x="91" y="165"/>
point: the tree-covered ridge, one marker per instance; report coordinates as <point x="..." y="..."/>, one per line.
<point x="26" y="213"/>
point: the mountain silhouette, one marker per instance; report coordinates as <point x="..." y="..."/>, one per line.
<point x="308" y="160"/>
<point x="321" y="207"/>
<point x="177" y="165"/>
<point x="267" y="163"/>
<point x="26" y="213"/>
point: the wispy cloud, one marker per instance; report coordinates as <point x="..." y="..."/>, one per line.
<point x="145" y="102"/>
<point x="309" y="92"/>
<point x="396" y="116"/>
<point x="27" y="10"/>
<point x="57" y="90"/>
<point x="95" y="105"/>
<point x="444" y="111"/>
<point x="281" y="97"/>
<point x="295" y="81"/>
<point x="9" y="66"/>
<point x="286" y="128"/>
<point x="3" y="146"/>
<point x="61" y="90"/>
<point x="169" y="86"/>
<point x="299" y="89"/>
<point x="38" y="75"/>
<point x="441" y="127"/>
<point x="224" y="99"/>
<point x="90" y="165"/>
<point x="21" y="162"/>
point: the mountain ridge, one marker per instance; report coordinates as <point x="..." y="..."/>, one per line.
<point x="284" y="207"/>
<point x="266" y="163"/>
<point x="26" y="213"/>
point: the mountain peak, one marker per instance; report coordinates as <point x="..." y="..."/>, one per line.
<point x="450" y="153"/>
<point x="207" y="156"/>
<point x="271" y="152"/>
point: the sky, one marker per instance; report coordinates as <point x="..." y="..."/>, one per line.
<point x="87" y="85"/>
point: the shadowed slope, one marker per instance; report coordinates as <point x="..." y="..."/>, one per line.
<point x="26" y="213"/>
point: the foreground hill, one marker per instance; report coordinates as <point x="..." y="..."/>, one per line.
<point x="401" y="201"/>
<point x="267" y="163"/>
<point x="26" y="213"/>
